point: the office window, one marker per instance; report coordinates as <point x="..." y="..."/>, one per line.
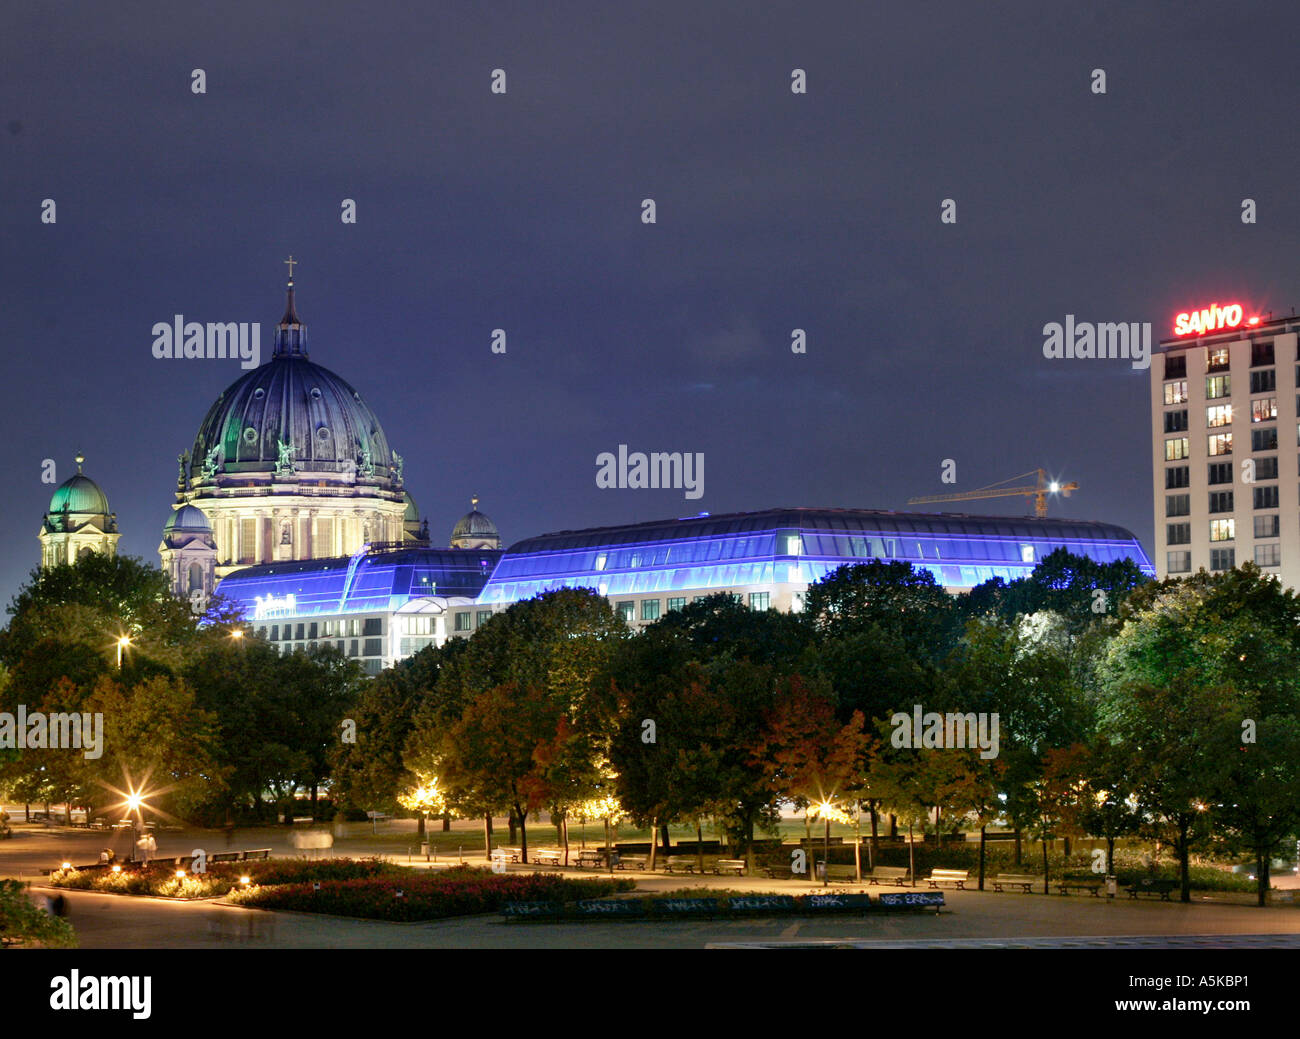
<point x="1220" y="472"/>
<point x="627" y="611"/>
<point x="1176" y="367"/>
<point x="649" y="609"/>
<point x="1220" y="501"/>
<point x="1176" y="392"/>
<point x="1223" y="558"/>
<point x="758" y="600"/>
<point x="312" y="632"/>
<point x="374" y="626"/>
<point x="1264" y="439"/>
<point x="1266" y="497"/>
<point x="676" y="602"/>
<point x="416" y="626"/>
<point x="1268" y="555"/>
<point x="1218" y="415"/>
<point x="1178" y="562"/>
<point x="301" y="632"/>
<point x="601" y="559"/>
<point x="1175" y="449"/>
<point x="1178" y="533"/>
<point x="372" y="648"/>
<point x="793" y="544"/>
<point x="482" y="617"/>
<point x="1177" y="476"/>
<point x="1261" y="354"/>
<point x="1263" y="381"/>
<point x="248" y="541"/>
<point x="275" y="633"/>
<point x="1266" y="468"/>
<point x="462" y="622"/>
<point x="1267" y="527"/>
<point x="354" y="625"/>
<point x="352" y="648"/>
<point x="1218" y="386"/>
<point x="1176" y="421"/>
<point x="1219" y="443"/>
<point x="1178" y="504"/>
<point x="1218" y="358"/>
<point x="1223" y="530"/>
<point x="1264" y="410"/>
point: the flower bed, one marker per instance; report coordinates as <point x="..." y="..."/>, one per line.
<point x="426" y="896"/>
<point x="220" y="878"/>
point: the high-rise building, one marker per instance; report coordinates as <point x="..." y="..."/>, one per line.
<point x="1225" y="390"/>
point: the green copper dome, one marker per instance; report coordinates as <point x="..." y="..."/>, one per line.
<point x="187" y="520"/>
<point x="78" y="501"/>
<point x="291" y="419"/>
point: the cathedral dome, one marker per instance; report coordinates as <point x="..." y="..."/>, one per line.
<point x="290" y="416"/>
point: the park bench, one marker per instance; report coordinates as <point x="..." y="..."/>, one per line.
<point x="547" y="857"/>
<point x="836" y="873"/>
<point x="632" y="861"/>
<point x="1020" y="880"/>
<point x="890" y="875"/>
<point x="736" y="866"/>
<point x="511" y="854"/>
<point x="225" y="856"/>
<point x="256" y="853"/>
<point x="958" y="877"/>
<point x="1093" y="887"/>
<point x="680" y="864"/>
<point x="779" y="869"/>
<point x="1163" y="888"/>
<point x="594" y="859"/>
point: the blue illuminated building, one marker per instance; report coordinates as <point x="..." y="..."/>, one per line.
<point x="383" y="605"/>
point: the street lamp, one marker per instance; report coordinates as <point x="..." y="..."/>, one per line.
<point x="827" y="810"/>
<point x="122" y="643"/>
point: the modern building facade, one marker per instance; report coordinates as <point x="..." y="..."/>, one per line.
<point x="1225" y="390"/>
<point x="382" y="605"/>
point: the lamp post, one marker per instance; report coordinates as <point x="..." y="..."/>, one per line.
<point x="122" y="643"/>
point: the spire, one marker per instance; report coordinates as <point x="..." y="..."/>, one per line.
<point x="80" y="459"/>
<point x="290" y="333"/>
<point x="474" y="503"/>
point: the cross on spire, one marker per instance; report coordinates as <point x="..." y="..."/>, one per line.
<point x="290" y="262"/>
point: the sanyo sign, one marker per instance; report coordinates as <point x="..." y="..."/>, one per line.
<point x="1213" y="318"/>
<point x="273" y="606"/>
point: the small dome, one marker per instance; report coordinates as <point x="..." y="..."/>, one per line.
<point x="412" y="514"/>
<point x="188" y="519"/>
<point x="79" y="495"/>
<point x="474" y="524"/>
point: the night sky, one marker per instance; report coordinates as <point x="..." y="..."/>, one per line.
<point x="522" y="211"/>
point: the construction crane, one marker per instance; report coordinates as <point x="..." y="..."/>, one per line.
<point x="1038" y="491"/>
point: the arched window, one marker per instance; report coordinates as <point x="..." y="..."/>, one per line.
<point x="196" y="577"/>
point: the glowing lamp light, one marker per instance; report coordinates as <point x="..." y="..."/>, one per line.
<point x="180" y="874"/>
<point x="1053" y="486"/>
<point x="134" y="801"/>
<point x="67" y="865"/>
<point x="1253" y="321"/>
<point x="245" y="881"/>
<point x="117" y="869"/>
<point x="824" y="809"/>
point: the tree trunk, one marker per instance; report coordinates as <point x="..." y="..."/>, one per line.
<point x="1261" y="876"/>
<point x="663" y="832"/>
<point x="1185" y="863"/>
<point x="1066" y="846"/>
<point x="654" y="844"/>
<point x="446" y="822"/>
<point x="487" y="836"/>
<point x="513" y="825"/>
<point x="699" y="846"/>
<point x="419" y="825"/>
<point x="1110" y="856"/>
<point x="523" y="836"/>
<point x="938" y="829"/>
<point x="893" y="826"/>
<point x="1046" y="887"/>
<point x="875" y="825"/>
<point x="566" y="838"/>
<point x="981" y="883"/>
<point x="1017" y="833"/>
